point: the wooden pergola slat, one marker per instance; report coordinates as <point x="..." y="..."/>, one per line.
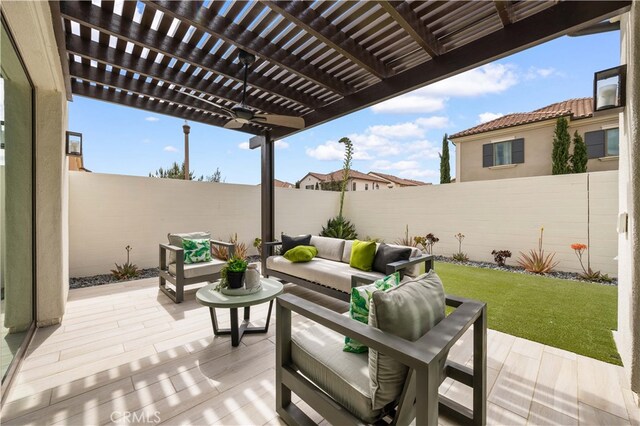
<point x="504" y="11"/>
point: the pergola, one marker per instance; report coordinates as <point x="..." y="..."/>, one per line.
<point x="318" y="60"/>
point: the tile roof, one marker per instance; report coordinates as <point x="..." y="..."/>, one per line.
<point x="337" y="176"/>
<point x="576" y="108"/>
<point x="398" y="180"/>
<point x="282" y="184"/>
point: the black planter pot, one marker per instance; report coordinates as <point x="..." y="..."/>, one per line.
<point x="235" y="279"/>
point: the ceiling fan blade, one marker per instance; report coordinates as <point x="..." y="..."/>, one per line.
<point x="221" y="107"/>
<point x="233" y="124"/>
<point x="280" y="120"/>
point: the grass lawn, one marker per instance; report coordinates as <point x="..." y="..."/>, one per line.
<point x="570" y="315"/>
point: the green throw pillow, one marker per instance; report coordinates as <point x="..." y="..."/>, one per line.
<point x="362" y="255"/>
<point x="359" y="306"/>
<point x="196" y="251"/>
<point x="301" y="254"/>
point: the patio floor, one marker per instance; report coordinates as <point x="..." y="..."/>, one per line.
<point x="126" y="348"/>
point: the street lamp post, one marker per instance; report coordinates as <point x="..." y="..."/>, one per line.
<point x="186" y="130"/>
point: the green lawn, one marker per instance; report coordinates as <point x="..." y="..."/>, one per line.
<point x="570" y="315"/>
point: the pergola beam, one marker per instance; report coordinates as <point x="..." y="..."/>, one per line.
<point x="147" y="67"/>
<point x="504" y="11"/>
<point x="247" y="40"/>
<point x="91" y="16"/>
<point x="402" y="13"/>
<point x="560" y="19"/>
<point x="153" y="105"/>
<point x="302" y="15"/>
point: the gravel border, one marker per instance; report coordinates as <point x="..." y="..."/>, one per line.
<point x="95" y="280"/>
<point x="517" y="269"/>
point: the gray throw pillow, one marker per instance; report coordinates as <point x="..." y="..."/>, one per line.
<point x="387" y="254"/>
<point x="290" y="242"/>
<point x="407" y="311"/>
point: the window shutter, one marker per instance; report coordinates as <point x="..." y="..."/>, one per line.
<point x="487" y="155"/>
<point x="517" y="151"/>
<point x="595" y="144"/>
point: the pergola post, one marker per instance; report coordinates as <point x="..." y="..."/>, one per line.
<point x="267" y="204"/>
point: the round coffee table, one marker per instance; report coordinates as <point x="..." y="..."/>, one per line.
<point x="213" y="299"/>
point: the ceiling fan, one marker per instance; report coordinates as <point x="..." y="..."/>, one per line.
<point x="240" y="114"/>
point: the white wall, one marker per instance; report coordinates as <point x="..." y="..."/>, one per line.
<point x="109" y="212"/>
<point x="503" y="214"/>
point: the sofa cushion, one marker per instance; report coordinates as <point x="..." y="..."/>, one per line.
<point x="388" y="254"/>
<point x="176" y="240"/>
<point x="408" y="311"/>
<point x="301" y="254"/>
<point x="415" y="270"/>
<point x="332" y="274"/>
<point x="199" y="269"/>
<point x="196" y="250"/>
<point x="346" y="251"/>
<point x="344" y="376"/>
<point x="290" y="242"/>
<point x="328" y="248"/>
<point x="362" y="255"/>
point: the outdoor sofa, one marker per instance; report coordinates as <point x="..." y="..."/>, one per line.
<point x="329" y="272"/>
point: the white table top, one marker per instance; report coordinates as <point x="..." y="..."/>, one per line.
<point x="207" y="296"/>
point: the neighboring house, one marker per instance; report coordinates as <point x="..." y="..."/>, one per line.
<point x="357" y="181"/>
<point x="282" y="184"/>
<point x="520" y="144"/>
<point x="397" y="182"/>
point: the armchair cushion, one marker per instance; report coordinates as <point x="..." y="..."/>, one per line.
<point x="408" y="311"/>
<point x="342" y="375"/>
<point x="176" y="240"/>
<point x="196" y="250"/>
<point x="194" y="270"/>
<point x="328" y="248"/>
<point x="388" y="254"/>
<point x="291" y="242"/>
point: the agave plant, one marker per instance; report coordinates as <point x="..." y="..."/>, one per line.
<point x="537" y="261"/>
<point x="406" y="240"/>
<point x="223" y="253"/>
<point x="126" y="270"/>
<point x="339" y="227"/>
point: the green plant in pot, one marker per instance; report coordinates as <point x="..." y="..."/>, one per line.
<point x="233" y="273"/>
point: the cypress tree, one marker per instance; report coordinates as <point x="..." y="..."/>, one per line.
<point x="579" y="157"/>
<point x="561" y="142"/>
<point x="445" y="168"/>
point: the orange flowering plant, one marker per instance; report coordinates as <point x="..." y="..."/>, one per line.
<point x="588" y="273"/>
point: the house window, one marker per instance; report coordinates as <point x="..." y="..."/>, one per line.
<point x="602" y="143"/>
<point x="611" y="139"/>
<point x="377" y="186"/>
<point x="501" y="153"/>
<point x="366" y="186"/>
<point x="353" y="187"/>
<point x="308" y="187"/>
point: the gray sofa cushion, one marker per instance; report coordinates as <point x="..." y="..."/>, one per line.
<point x="332" y="274"/>
<point x="388" y="254"/>
<point x="415" y="270"/>
<point x="328" y="248"/>
<point x="289" y="242"/>
<point x="199" y="269"/>
<point x="317" y="353"/>
<point x="408" y="311"/>
<point x="176" y="240"/>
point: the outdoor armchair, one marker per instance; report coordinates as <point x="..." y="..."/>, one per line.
<point x="425" y="359"/>
<point x="176" y="272"/>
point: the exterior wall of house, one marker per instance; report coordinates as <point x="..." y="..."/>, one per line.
<point x="31" y="26"/>
<point x="501" y="215"/>
<point x="109" y="212"/>
<point x="628" y="335"/>
<point x="361" y="184"/>
<point x="309" y="181"/>
<point x="538" y="146"/>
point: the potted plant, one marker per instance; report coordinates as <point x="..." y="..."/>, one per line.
<point x="233" y="273"/>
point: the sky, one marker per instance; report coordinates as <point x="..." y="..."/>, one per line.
<point x="401" y="136"/>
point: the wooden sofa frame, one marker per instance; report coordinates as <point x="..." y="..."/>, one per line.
<point x="179" y="280"/>
<point x="356" y="279"/>
<point x="419" y="398"/>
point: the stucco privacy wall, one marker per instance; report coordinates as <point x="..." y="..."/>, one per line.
<point x="109" y="212"/>
<point x="500" y="214"/>
<point x="628" y="336"/>
<point x="31" y="26"/>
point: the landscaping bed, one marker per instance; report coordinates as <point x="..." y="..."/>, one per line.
<point x="81" y="282"/>
<point x="567" y="314"/>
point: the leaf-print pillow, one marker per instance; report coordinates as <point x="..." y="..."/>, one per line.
<point x="359" y="306"/>
<point x="196" y="251"/>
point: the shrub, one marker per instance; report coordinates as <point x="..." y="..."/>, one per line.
<point x="561" y="142"/>
<point x="223" y="253"/>
<point x="339" y="227"/>
<point x="537" y="261"/>
<point x="427" y="242"/>
<point x="406" y="240"/>
<point x="127" y="270"/>
<point x="500" y="256"/>
<point x="460" y="256"/>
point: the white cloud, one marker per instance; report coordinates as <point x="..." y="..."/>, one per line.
<point x="152" y="119"/>
<point x="243" y="145"/>
<point x="170" y="148"/>
<point x="490" y="78"/>
<point x="434" y="122"/>
<point x="399" y="131"/>
<point x="419" y="173"/>
<point x="488" y="116"/>
<point x="535" y="72"/>
<point x="398" y="165"/>
<point x="279" y="144"/>
<point x="423" y="150"/>
<point x="331" y="150"/>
